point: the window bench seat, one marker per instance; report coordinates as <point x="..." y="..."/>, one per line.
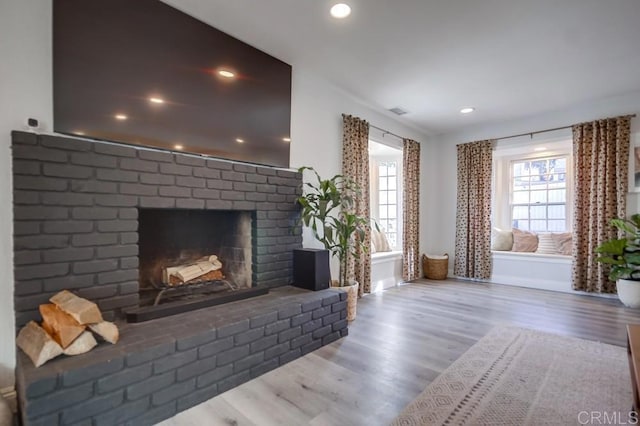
<point x="386" y="270"/>
<point x="533" y="270"/>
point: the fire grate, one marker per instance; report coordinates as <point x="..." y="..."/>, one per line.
<point x="147" y="313"/>
<point x="167" y="293"/>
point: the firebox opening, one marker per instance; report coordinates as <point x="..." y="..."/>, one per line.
<point x="186" y="254"/>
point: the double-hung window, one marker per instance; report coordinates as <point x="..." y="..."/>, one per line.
<point x="386" y="191"/>
<point x="388" y="199"/>
<point x="539" y="194"/>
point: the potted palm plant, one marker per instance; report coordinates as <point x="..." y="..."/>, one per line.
<point x="326" y="210"/>
<point x="623" y="254"/>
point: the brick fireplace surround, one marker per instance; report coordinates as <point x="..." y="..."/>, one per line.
<point x="75" y="227"/>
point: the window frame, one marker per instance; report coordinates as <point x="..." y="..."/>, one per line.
<point x="547" y="204"/>
<point x="397" y="202"/>
<point x="374" y="161"/>
<point x="505" y="155"/>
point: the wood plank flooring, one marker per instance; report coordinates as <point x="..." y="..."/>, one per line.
<point x="401" y="340"/>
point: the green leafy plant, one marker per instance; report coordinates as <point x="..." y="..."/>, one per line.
<point x="623" y="254"/>
<point x="326" y="210"/>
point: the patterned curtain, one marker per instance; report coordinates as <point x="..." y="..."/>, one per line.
<point x="355" y="164"/>
<point x="473" y="215"/>
<point x="600" y="164"/>
<point x="411" y="210"/>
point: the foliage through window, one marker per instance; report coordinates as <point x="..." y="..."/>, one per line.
<point x="539" y="194"/>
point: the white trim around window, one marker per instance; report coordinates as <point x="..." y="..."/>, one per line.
<point x="384" y="155"/>
<point x="502" y="171"/>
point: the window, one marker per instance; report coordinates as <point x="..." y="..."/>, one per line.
<point x="539" y="194"/>
<point x="388" y="199"/>
<point x="386" y="190"/>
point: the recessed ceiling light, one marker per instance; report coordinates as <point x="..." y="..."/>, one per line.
<point x="540" y="148"/>
<point x="240" y="140"/>
<point x="286" y="139"/>
<point x="120" y="117"/>
<point x="178" y="147"/>
<point x="467" y="110"/>
<point x="226" y="74"/>
<point x="78" y="132"/>
<point x="155" y="100"/>
<point x="340" y="10"/>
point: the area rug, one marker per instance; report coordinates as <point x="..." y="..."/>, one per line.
<point x="515" y="376"/>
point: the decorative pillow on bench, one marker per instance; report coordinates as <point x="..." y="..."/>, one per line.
<point x="524" y="241"/>
<point x="379" y="241"/>
<point x="563" y="243"/>
<point x="517" y="240"/>
<point x="501" y="240"/>
<point x="546" y="244"/>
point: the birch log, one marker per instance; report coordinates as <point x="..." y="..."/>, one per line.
<point x="37" y="344"/>
<point x="82" y="310"/>
<point x="61" y="326"/>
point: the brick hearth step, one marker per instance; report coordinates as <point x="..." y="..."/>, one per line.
<point x="167" y="365"/>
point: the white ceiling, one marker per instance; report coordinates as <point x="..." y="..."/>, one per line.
<point x="508" y="58"/>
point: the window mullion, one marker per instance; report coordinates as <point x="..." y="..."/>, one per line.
<point x="541" y="179"/>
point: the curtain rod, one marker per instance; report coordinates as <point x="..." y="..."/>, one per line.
<point x="543" y="131"/>
<point x="386" y="132"/>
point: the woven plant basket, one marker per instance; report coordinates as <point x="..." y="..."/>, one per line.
<point x="352" y="297"/>
<point x="435" y="268"/>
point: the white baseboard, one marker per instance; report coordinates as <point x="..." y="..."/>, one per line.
<point x="519" y="281"/>
<point x="552" y="285"/>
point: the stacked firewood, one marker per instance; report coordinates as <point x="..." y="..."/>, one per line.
<point x="68" y="326"/>
<point x="208" y="268"/>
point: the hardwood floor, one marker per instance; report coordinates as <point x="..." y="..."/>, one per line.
<point x="400" y="341"/>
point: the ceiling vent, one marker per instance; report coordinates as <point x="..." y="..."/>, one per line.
<point x="398" y="111"/>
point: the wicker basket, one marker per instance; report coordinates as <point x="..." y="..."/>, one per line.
<point x="352" y="297"/>
<point x="435" y="268"/>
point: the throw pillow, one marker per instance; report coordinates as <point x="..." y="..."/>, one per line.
<point x="501" y="240"/>
<point x="563" y="243"/>
<point x="375" y="238"/>
<point x="384" y="242"/>
<point x="379" y="240"/>
<point x="546" y="244"/>
<point x="524" y="241"/>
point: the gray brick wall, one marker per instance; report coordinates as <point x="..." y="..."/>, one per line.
<point x="75" y="215"/>
<point x="141" y="382"/>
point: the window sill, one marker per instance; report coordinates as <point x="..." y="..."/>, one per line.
<point x="534" y="257"/>
<point x="385" y="256"/>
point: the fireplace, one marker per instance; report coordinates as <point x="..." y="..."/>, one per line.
<point x="168" y="238"/>
<point x="89" y="217"/>
<point x="214" y="247"/>
<point x="103" y="220"/>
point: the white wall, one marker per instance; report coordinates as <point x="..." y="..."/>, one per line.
<point x="316" y="129"/>
<point x="441" y="199"/>
<point x="26" y="91"/>
<point x="316" y="122"/>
